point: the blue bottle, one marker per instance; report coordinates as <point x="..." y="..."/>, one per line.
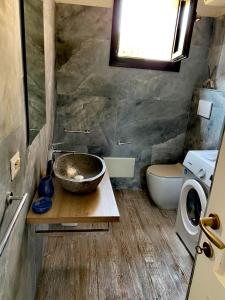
<point x="46" y="188"/>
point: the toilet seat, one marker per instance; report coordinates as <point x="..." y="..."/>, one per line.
<point x="170" y="171"/>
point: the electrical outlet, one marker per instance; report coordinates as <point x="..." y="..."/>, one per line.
<point x="15" y="165"/>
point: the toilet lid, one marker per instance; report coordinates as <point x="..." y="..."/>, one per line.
<point x="175" y="171"/>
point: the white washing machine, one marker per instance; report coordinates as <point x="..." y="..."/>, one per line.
<point x="199" y="170"/>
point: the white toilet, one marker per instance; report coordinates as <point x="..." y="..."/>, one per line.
<point x="164" y="184"/>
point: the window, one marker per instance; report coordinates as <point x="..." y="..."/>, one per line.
<point x="152" y="34"/>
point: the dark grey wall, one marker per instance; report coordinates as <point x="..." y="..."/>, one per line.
<point x="147" y="108"/>
<point x="217" y="52"/>
<point x="203" y="133"/>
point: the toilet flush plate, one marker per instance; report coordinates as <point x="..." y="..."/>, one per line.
<point x="205" y="109"/>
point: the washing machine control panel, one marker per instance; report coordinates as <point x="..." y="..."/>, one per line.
<point x="202" y="168"/>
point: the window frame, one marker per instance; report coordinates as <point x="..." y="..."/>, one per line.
<point x="116" y="61"/>
<point x="180" y="54"/>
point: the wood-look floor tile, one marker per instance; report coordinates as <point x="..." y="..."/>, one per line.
<point x="141" y="258"/>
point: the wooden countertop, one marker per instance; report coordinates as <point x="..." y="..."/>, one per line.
<point x="97" y="207"/>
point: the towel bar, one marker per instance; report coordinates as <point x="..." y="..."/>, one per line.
<point x="13" y="222"/>
<point x="87" y="131"/>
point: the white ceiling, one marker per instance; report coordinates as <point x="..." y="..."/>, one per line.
<point x="203" y="10"/>
<point x="100" y="3"/>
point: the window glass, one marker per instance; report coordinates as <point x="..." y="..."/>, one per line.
<point x="184" y="26"/>
<point x="147" y="29"/>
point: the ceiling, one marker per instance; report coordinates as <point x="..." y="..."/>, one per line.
<point x="203" y="10"/>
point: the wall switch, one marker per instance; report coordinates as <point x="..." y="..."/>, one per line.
<point x="205" y="109"/>
<point x="15" y="165"/>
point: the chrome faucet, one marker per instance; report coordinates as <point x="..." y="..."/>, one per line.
<point x="52" y="151"/>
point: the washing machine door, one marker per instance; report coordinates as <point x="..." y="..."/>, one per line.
<point x="193" y="202"/>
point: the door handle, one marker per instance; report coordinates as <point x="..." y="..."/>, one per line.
<point x="212" y="221"/>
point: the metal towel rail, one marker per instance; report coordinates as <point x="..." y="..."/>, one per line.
<point x="86" y="131"/>
<point x="12" y="223"/>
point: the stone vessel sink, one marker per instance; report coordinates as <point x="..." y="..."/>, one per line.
<point x="79" y="173"/>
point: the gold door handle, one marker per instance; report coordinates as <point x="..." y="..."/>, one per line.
<point x="212" y="221"/>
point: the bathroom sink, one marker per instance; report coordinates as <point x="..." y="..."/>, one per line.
<point x="79" y="172"/>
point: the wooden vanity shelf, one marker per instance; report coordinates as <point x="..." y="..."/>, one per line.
<point x="97" y="207"/>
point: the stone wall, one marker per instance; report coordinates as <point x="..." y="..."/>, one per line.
<point x="217" y="53"/>
<point x="147" y="108"/>
<point x="203" y="133"/>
